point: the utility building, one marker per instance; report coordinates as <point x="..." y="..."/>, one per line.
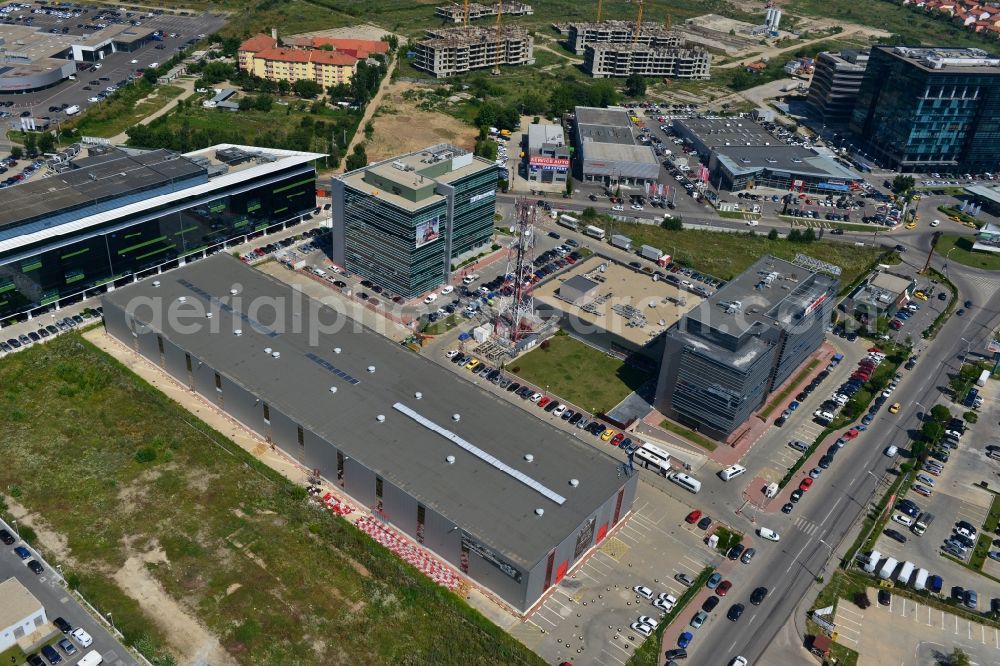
<point x="506" y="498"/>
<point x="405" y="222"/>
<point x="450" y="51"/>
<point x="725" y="356"/>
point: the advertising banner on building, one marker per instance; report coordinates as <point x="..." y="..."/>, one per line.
<point x="703" y="173"/>
<point x="428" y="231"/>
<point x="549" y="162"/>
<point x="584" y="538"/>
<point x="473" y="546"/>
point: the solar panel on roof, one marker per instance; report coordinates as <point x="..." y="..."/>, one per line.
<point x="319" y="360"/>
<point x="479" y="453"/>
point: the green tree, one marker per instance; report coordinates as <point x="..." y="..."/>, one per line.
<point x="932" y="431"/>
<point x="16" y="152"/>
<point x="369" y="130"/>
<point x="569" y="185"/>
<point x="486" y="148"/>
<point x="247" y="102"/>
<point x="635" y="85"/>
<point x="940" y="413"/>
<point x="46" y="142"/>
<point x="902" y="184"/>
<point x="357" y="159"/>
<point x="809" y="235"/>
<point x="795" y="235"/>
<point x="959" y="658"/>
<point x="672" y="223"/>
<point x="307" y="89"/>
<point x="30" y="143"/>
<point x="772" y="234"/>
<point x="263" y="103"/>
<point x="339" y="91"/>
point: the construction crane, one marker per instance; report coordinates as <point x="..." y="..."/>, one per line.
<point x="668" y="22"/>
<point x="465" y="13"/>
<point x="599" y="3"/>
<point x="638" y="25"/>
<point x="496" y="61"/>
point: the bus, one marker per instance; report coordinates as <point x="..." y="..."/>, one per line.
<point x="569" y="222"/>
<point x="652" y="458"/>
<point x="594" y="232"/>
<point x="686" y="482"/>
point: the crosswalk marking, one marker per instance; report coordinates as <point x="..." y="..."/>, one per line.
<point x="985" y="282"/>
<point x="806" y="526"/>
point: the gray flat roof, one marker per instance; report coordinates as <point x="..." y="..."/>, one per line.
<point x="988" y="192"/>
<point x="792" y="159"/>
<point x="759" y="302"/>
<point x="946" y="60"/>
<point x="728" y="131"/>
<point x="604" y="125"/>
<point x="493" y="505"/>
<point x="113" y="175"/>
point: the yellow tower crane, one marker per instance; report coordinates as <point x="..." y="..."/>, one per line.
<point x="465" y="13"/>
<point x="496" y="61"/>
<point x="638" y="25"/>
<point x="668" y="22"/>
<point x="599" y="3"/>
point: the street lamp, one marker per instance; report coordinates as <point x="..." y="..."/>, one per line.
<point x="968" y="346"/>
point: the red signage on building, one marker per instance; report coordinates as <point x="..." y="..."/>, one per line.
<point x="549" y="161"/>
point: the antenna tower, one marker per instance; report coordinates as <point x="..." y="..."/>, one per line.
<point x="516" y="313"/>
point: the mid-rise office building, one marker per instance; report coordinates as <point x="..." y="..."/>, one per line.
<point x="835" y="84"/>
<point x="725" y="356"/>
<point x="406" y="222"/>
<point x="923" y="109"/>
<point x="621" y="60"/>
<point x="502" y="496"/>
<point x="102" y="220"/>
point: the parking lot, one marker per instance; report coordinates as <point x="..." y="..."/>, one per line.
<point x="114" y="67"/>
<point x="49" y="589"/>
<point x="586" y="618"/>
<point x="921" y="635"/>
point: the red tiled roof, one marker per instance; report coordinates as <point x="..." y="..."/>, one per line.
<point x="359" y="48"/>
<point x="301" y="55"/>
<point x="258" y="43"/>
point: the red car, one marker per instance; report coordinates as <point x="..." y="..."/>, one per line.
<point x="851" y="434"/>
<point x="693" y="517"/>
<point x="806" y="482"/>
<point x="723" y="588"/>
<point x="617" y="439"/>
<point x="544" y="401"/>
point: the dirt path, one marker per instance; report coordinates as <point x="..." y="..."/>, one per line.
<point x="773" y="51"/>
<point x="186" y="83"/>
<point x="370" y="110"/>
<point x="196" y="644"/>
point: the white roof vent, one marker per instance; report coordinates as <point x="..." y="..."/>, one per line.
<point x="276" y="354"/>
<point x="529" y="457"/>
<point x="418" y="395"/>
<point x="456" y="417"/>
<point x="208" y="315"/>
<point x="371" y="369"/>
<point x="539" y="512"/>
<point x="380" y="418"/>
<point x="234" y="291"/>
<point x="336" y="350"/>
<point x="267" y="350"/>
<point x="333" y="389"/>
<point x="450" y="460"/>
<point x="156" y="283"/>
<point x="182" y="299"/>
<point x="574" y="482"/>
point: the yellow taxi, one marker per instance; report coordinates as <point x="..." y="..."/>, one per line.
<point x="921" y="295"/>
<point x="473" y="364"/>
<point x="911" y="225"/>
<point x="607" y="434"/>
<point x="894" y="409"/>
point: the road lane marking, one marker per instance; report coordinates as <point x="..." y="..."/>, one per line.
<point x="832" y="509"/>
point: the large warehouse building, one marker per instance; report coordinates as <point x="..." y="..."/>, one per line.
<point x="506" y="498"/>
<point x="405" y="222"/>
<point x="120" y="213"/>
<point x="608" y="151"/>
<point x="725" y="356"/>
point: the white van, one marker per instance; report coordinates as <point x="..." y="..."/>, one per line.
<point x="731" y="472"/>
<point x="872" y="561"/>
<point x="684" y="481"/>
<point x="92" y="658"/>
<point x="886" y="571"/>
<point x="72" y="110"/>
<point x="903" y="577"/>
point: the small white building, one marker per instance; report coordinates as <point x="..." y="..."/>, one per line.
<point x="20" y="613"/>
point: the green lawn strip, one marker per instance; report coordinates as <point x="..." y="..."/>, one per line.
<point x="964" y="218"/>
<point x="725" y="255"/>
<point x="875" y="520"/>
<point x="931" y="331"/>
<point x="125" y="109"/>
<point x="13" y="655"/>
<point x="579" y="374"/>
<point x="959" y="249"/>
<point x="787" y="391"/>
<point x="648" y="654"/>
<point x="978" y="556"/>
<point x="727" y="538"/>
<point x="737" y="214"/>
<point x="966" y="378"/>
<point x="76" y="419"/>
<point x="688" y="434"/>
<point x="842" y="585"/>
<point x="443" y="325"/>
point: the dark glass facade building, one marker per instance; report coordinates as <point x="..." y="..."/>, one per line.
<point x="930" y="109"/>
<point x="406" y="223"/>
<point x="117" y="216"/>
<point x="723" y="358"/>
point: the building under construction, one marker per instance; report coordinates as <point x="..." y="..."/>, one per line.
<point x="457" y="13"/>
<point x="621" y="32"/>
<point x="450" y="51"/>
<point x="620" y="60"/>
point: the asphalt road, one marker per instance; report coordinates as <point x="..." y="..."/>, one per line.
<point x="838" y="499"/>
<point x="58" y="602"/>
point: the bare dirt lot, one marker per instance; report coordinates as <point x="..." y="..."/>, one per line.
<point x="402" y="126"/>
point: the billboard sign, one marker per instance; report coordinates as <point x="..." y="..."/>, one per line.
<point x="428" y="231"/>
<point x="473" y="546"/>
<point x="584" y="538"/>
<point x="555" y="162"/>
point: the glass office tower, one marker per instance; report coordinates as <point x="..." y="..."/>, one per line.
<point x="930" y="109"/>
<point x="408" y="222"/>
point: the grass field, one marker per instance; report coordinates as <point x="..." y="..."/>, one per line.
<point x="112" y="118"/>
<point x="725" y="255"/>
<point x="959" y="249"/>
<point x="238" y="546"/>
<point x="579" y="374"/>
<point x="688" y="434"/>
